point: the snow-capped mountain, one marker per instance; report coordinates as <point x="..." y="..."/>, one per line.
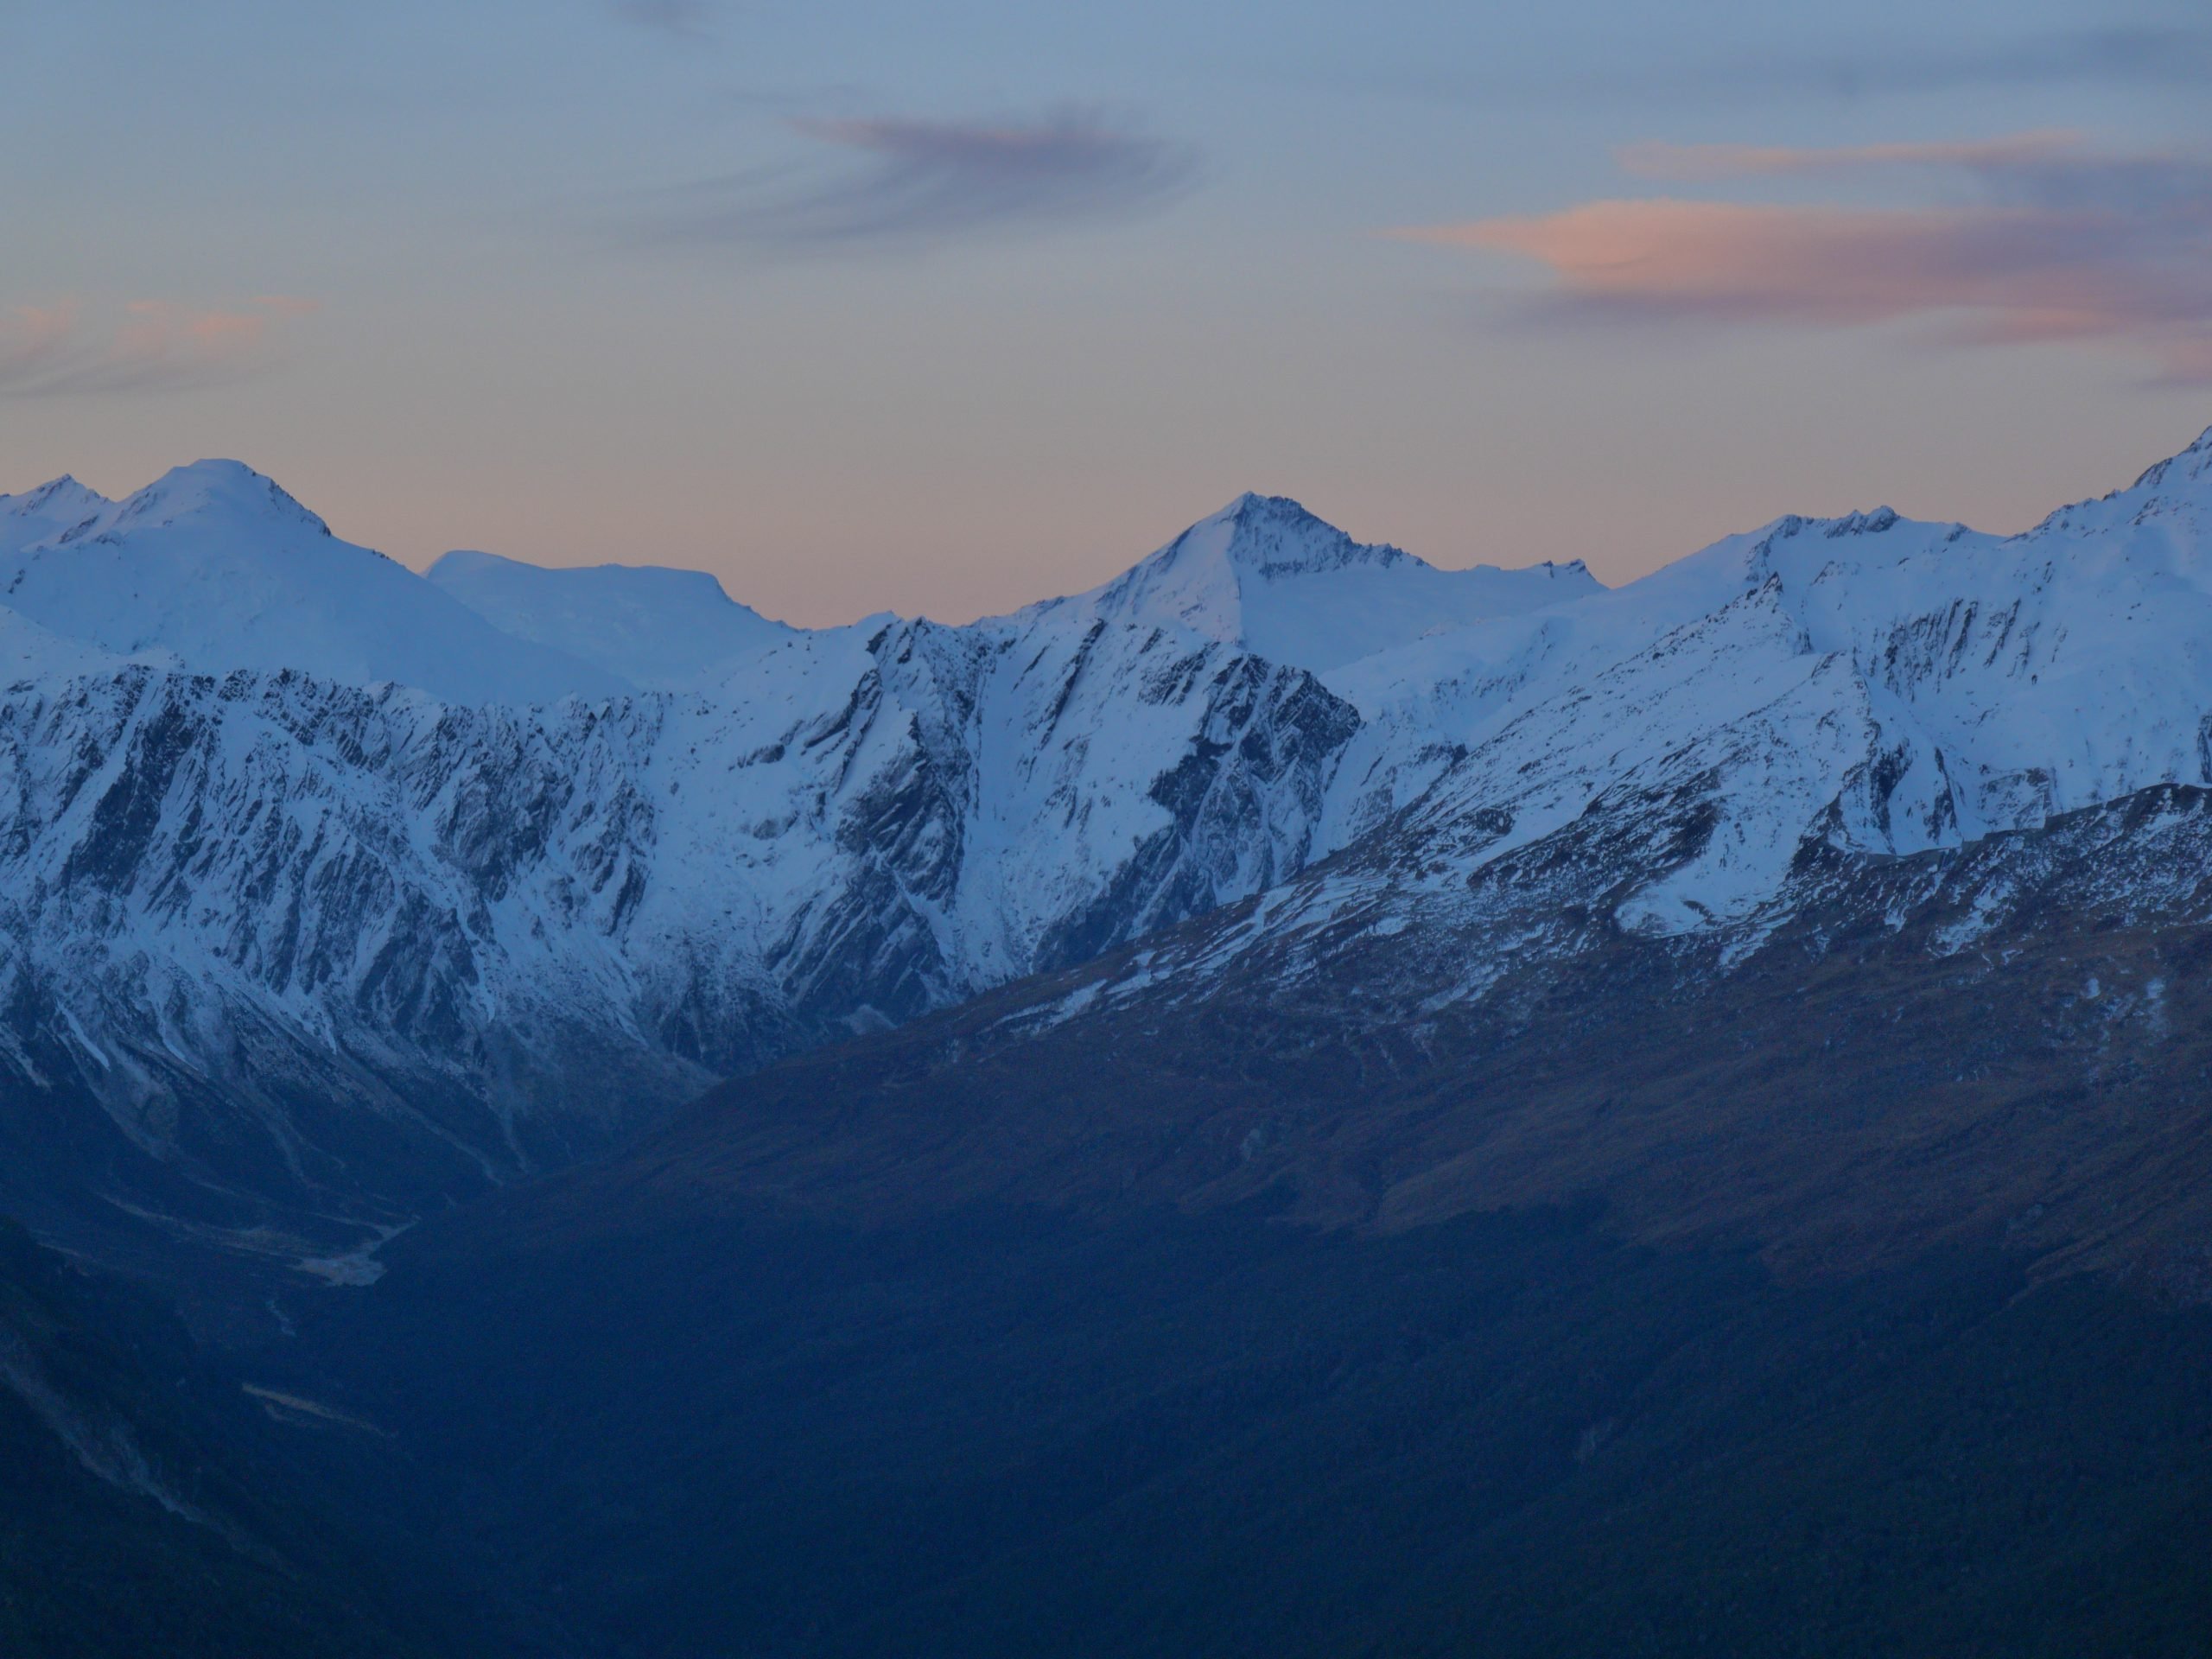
<point x="292" y="934"/>
<point x="215" y="565"/>
<point x="49" y="511"/>
<point x="1710" y="752"/>
<point x="1266" y="575"/>
<point x="653" y="628"/>
<point x="320" y="885"/>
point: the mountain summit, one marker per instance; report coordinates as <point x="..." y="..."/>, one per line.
<point x="51" y="510"/>
<point x="1265" y="574"/>
<point x="217" y="565"/>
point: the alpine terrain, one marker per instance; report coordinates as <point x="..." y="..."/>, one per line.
<point x="1298" y="1102"/>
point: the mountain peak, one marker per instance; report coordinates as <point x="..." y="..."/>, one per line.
<point x="2181" y="481"/>
<point x="215" y="564"/>
<point x="225" y="488"/>
<point x="1266" y="575"/>
<point x="2197" y="453"/>
<point x="64" y="487"/>
<point x="1274" y="536"/>
<point x="55" y="507"/>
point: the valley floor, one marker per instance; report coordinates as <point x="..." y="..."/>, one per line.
<point x="1015" y="1432"/>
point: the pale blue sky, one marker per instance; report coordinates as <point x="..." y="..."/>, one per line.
<point x="947" y="309"/>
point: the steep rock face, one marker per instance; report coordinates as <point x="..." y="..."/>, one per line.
<point x="343" y="943"/>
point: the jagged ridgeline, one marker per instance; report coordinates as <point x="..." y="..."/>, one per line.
<point x="328" y="890"/>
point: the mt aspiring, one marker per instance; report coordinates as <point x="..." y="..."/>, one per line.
<point x="329" y="892"/>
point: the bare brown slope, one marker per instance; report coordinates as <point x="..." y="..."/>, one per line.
<point x="1155" y="1308"/>
<point x="1859" y="1090"/>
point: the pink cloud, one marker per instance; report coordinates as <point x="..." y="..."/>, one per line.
<point x="1813" y="264"/>
<point x="2065" y="244"/>
<point x="55" y="350"/>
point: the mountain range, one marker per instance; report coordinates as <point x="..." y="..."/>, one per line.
<point x="333" y="891"/>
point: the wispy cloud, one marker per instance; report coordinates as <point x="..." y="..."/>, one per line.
<point x="64" y="349"/>
<point x="686" y="20"/>
<point x="2054" y="241"/>
<point x="2128" y="54"/>
<point x="892" y="182"/>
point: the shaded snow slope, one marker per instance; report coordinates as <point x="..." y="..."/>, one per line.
<point x="215" y="563"/>
<point x="655" y="628"/>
